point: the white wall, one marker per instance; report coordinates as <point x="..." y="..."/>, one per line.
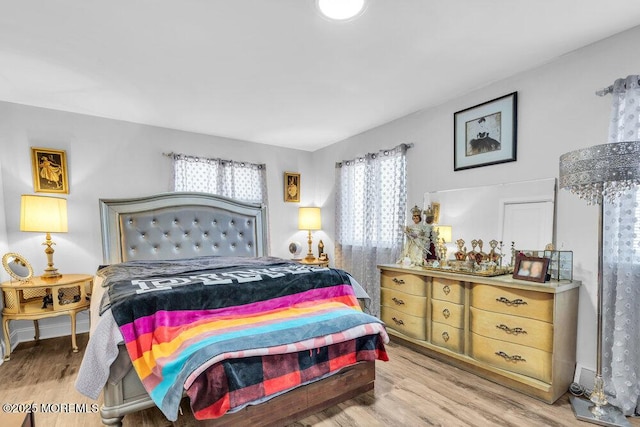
<point x="557" y="112"/>
<point x="4" y="248"/>
<point x="111" y="159"/>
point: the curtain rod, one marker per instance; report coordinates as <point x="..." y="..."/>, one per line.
<point x="609" y="89"/>
<point x="188" y="156"/>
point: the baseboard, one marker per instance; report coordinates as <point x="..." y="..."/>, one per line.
<point x="23" y="331"/>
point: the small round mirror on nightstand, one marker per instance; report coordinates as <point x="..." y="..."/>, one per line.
<point x="17" y="267"/>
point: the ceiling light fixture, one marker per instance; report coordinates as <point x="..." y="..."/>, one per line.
<point x="341" y="10"/>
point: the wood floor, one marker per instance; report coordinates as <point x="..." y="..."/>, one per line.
<point x="411" y="390"/>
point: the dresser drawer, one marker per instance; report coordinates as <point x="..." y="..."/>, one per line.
<point x="404" y="282"/>
<point x="519" y="302"/>
<point x="517" y="358"/>
<point x="447" y="336"/>
<point x="411" y="326"/>
<point x="447" y="290"/>
<point x="406" y="303"/>
<point x="447" y="312"/>
<point x="515" y="329"/>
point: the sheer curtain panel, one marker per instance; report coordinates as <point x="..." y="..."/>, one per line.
<point x="236" y="180"/>
<point x="621" y="264"/>
<point x="370" y="212"/>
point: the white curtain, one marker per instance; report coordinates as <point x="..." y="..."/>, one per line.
<point x="621" y="269"/>
<point x="370" y="212"/>
<point x="236" y="180"/>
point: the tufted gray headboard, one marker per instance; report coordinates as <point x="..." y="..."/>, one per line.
<point x="181" y="225"/>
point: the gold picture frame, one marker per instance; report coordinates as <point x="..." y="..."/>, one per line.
<point x="292" y="187"/>
<point x="49" y="168"/>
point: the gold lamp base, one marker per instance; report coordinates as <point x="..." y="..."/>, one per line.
<point x="50" y="272"/>
<point x="310" y="257"/>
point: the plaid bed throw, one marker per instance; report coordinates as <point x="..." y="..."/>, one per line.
<point x="234" y="384"/>
<point x="176" y="327"/>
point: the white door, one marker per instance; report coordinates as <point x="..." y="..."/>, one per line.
<point x="531" y="221"/>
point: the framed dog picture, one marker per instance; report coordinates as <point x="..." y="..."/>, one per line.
<point x="49" y="170"/>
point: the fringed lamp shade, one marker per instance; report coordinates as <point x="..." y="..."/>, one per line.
<point x="602" y="171"/>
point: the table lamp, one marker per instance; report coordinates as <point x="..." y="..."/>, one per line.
<point x="597" y="173"/>
<point x="45" y="215"/>
<point x="309" y="219"/>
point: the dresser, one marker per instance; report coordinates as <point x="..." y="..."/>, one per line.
<point x="517" y="333"/>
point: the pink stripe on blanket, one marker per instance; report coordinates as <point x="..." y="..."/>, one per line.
<point x="149" y="323"/>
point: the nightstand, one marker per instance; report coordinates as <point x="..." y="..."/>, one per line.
<point x="40" y="298"/>
<point x="316" y="261"/>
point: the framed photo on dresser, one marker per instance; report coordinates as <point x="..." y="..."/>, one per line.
<point x="531" y="268"/>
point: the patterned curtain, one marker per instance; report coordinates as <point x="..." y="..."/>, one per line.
<point x="621" y="269"/>
<point x="371" y="208"/>
<point x="236" y="180"/>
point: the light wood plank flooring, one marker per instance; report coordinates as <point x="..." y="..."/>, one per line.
<point x="411" y="390"/>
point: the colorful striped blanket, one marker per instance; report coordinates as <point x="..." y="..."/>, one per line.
<point x="177" y="327"/>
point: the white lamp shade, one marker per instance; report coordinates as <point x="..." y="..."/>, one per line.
<point x="445" y="232"/>
<point x="43" y="214"/>
<point x="309" y="219"/>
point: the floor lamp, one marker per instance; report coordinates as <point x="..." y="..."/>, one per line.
<point x="598" y="173"/>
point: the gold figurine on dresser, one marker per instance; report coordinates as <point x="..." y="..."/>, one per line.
<point x="516" y="333"/>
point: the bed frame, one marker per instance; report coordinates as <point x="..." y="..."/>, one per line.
<point x="185" y="225"/>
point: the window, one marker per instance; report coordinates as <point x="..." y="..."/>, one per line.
<point x="370" y="212"/>
<point x="236" y="180"/>
<point x="370" y="201"/>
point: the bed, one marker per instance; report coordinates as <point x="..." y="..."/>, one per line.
<point x="221" y="237"/>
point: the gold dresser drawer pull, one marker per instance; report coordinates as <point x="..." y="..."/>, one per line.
<point x="397" y="301"/>
<point x="445" y="336"/>
<point x="398" y="281"/>
<point x="515" y="358"/>
<point x="446" y="313"/>
<point x="509" y="302"/>
<point x="398" y="321"/>
<point x="514" y="331"/>
<point x="446" y="289"/>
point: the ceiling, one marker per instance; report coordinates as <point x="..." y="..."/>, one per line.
<point x="274" y="71"/>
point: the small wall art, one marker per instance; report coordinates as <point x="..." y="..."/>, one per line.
<point x="49" y="170"/>
<point x="291" y="187"/>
